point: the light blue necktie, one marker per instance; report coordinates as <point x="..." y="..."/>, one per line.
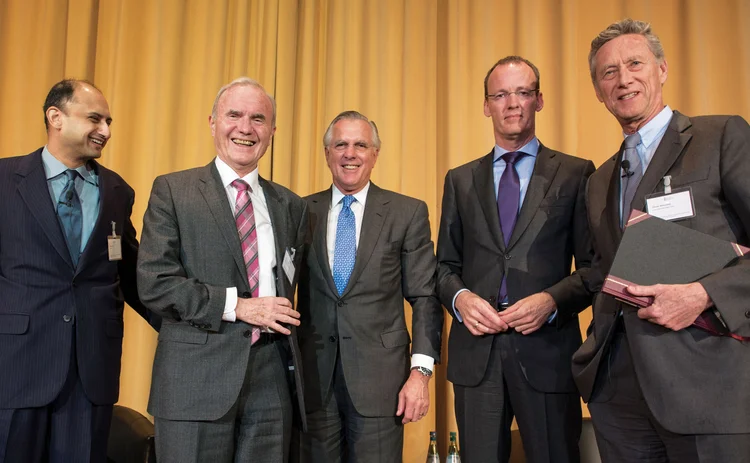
<point x="71" y="216"/>
<point x="632" y="178"/>
<point x="346" y="245"/>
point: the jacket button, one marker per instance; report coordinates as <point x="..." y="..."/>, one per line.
<point x="747" y="314"/>
<point x="67" y="318"/>
<point x="340" y="303"/>
<point x="492" y="299"/>
<point x="247" y="333"/>
<point x="246" y="294"/>
<point x="507" y="257"/>
<point x="332" y="338"/>
<point x="207" y="326"/>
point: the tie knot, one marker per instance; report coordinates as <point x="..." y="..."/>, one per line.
<point x="512" y="157"/>
<point x="631" y="141"/>
<point x="348" y="200"/>
<point x="71" y="174"/>
<point x="241" y="185"/>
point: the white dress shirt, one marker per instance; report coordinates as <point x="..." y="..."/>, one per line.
<point x="263" y="229"/>
<point x="358" y="207"/>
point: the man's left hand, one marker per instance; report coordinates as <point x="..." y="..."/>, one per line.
<point x="414" y="398"/>
<point x="530" y="313"/>
<point x="675" y="306"/>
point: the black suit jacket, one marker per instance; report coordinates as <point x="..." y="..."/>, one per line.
<point x="693" y="382"/>
<point x="45" y="301"/>
<point x="366" y="325"/>
<point x="551" y="230"/>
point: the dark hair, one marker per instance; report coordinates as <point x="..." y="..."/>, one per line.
<point x="61" y="94"/>
<point x="509" y="60"/>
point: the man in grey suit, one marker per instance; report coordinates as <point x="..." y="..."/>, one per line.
<point x="512" y="222"/>
<point x="220" y="250"/>
<point x="659" y="388"/>
<point x="370" y="250"/>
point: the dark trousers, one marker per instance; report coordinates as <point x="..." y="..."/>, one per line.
<point x="550" y="424"/>
<point x="257" y="428"/>
<point x="626" y="430"/>
<point x="338" y="433"/>
<point x="70" y="429"/>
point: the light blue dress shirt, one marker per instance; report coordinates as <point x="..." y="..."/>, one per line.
<point x="87" y="188"/>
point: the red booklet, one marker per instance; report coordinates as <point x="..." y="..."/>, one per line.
<point x="655" y="251"/>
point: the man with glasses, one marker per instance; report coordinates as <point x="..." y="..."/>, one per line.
<point x="661" y="389"/>
<point x="512" y="221"/>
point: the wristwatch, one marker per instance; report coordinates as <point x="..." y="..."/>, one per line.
<point x="424" y="371"/>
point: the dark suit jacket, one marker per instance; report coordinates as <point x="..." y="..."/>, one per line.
<point x="694" y="383"/>
<point x="190" y="254"/>
<point x="366" y="325"/>
<point x="45" y="301"/>
<point x="551" y="230"/>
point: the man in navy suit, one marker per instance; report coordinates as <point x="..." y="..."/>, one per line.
<point x="63" y="283"/>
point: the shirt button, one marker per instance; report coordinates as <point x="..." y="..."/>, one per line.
<point x="67" y="318"/>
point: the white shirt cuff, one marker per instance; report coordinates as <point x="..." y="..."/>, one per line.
<point x="455" y="311"/>
<point x="421" y="360"/>
<point x="230" y="305"/>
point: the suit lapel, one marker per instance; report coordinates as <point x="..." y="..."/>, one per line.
<point x="35" y="193"/>
<point x="215" y="196"/>
<point x="103" y="226"/>
<point x="484" y="183"/>
<point x="545" y="169"/>
<point x="375" y="211"/>
<point x="669" y="150"/>
<point x="320" y="210"/>
<point x="277" y="209"/>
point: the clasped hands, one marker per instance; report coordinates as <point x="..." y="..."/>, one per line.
<point x="525" y="316"/>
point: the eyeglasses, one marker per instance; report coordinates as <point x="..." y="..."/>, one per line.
<point x="521" y="94"/>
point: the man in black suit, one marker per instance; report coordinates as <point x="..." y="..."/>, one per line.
<point x="512" y="221"/>
<point x="661" y="389"/>
<point x="371" y="250"/>
<point x="62" y="283"/>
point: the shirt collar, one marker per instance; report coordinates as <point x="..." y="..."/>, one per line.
<point x="228" y="175"/>
<point x="360" y="196"/>
<point x="531" y="149"/>
<point x="53" y="167"/>
<point x="652" y="131"/>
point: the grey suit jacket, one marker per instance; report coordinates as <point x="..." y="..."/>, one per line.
<point x="190" y="255"/>
<point x="550" y="231"/>
<point x="693" y="382"/>
<point x="366" y="325"/>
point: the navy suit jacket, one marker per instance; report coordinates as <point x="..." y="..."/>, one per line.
<point x="48" y="306"/>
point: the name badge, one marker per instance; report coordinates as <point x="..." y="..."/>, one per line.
<point x="673" y="204"/>
<point x="114" y="245"/>
<point x="288" y="264"/>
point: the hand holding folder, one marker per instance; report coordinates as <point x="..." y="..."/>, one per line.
<point x="655" y="251"/>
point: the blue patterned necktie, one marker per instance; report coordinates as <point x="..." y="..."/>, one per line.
<point x="346" y="245"/>
<point x="70" y="215"/>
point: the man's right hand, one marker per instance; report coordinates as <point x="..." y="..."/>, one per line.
<point x="268" y="312"/>
<point x="479" y="316"/>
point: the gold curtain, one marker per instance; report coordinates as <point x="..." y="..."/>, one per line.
<point x="416" y="67"/>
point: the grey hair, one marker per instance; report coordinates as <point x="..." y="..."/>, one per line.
<point x="351" y="115"/>
<point x="623" y="27"/>
<point x="244" y="82"/>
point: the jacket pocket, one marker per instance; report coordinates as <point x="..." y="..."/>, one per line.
<point x="393" y="339"/>
<point x="14" y="323"/>
<point x="182" y="333"/>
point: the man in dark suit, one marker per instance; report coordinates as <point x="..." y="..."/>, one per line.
<point x="61" y="315"/>
<point x="370" y="250"/>
<point x="218" y="260"/>
<point x="660" y="389"/>
<point x="512" y="221"/>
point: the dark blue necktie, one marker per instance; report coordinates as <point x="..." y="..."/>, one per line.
<point x="70" y="215"/>
<point x="345" y="250"/>
<point x="508" y="199"/>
